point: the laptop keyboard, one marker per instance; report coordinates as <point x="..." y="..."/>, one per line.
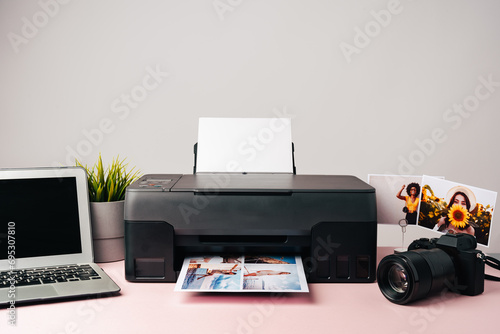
<point x="49" y="275"/>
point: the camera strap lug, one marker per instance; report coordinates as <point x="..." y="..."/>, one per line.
<point x="494" y="263"/>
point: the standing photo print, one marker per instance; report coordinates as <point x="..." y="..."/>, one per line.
<point x="450" y="207"/>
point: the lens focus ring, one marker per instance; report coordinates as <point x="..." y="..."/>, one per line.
<point x="412" y="275"/>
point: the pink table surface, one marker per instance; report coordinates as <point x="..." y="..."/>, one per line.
<point x="327" y="308"/>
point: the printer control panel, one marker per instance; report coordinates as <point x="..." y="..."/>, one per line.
<point x="155" y="182"/>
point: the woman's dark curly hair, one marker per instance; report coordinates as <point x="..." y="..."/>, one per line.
<point x="411" y="185"/>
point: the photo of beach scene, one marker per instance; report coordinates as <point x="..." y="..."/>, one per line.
<point x="210" y="277"/>
<point x="276" y="277"/>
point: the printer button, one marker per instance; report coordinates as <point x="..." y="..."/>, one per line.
<point x="362" y="266"/>
<point x="323" y="270"/>
<point x="342" y="270"/>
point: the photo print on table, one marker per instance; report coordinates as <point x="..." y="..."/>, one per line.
<point x="252" y="273"/>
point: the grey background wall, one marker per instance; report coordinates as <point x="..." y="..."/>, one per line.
<point x="385" y="86"/>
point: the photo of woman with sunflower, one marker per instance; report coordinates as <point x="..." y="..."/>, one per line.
<point x="461" y="201"/>
<point x="449" y="207"/>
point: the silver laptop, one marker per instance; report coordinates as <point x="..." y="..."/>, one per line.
<point x="45" y="237"/>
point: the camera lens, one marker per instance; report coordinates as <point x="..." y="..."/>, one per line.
<point x="398" y="278"/>
<point x="412" y="275"/>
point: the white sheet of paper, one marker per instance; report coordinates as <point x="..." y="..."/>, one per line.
<point x="237" y="145"/>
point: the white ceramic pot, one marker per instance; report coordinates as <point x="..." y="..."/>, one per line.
<point x="108" y="230"/>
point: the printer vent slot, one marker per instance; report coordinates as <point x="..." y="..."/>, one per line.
<point x="243" y="239"/>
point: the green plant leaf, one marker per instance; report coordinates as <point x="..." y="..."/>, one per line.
<point x="109" y="184"/>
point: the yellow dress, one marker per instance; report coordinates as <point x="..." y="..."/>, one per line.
<point x="412" y="206"/>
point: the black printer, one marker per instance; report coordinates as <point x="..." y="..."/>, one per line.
<point x="329" y="220"/>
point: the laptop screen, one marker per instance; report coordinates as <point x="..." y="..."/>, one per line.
<point x="45" y="214"/>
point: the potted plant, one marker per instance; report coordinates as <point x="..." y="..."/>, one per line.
<point x="107" y="194"/>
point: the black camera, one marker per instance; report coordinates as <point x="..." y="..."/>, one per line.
<point x="430" y="266"/>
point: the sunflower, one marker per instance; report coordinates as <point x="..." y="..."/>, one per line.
<point x="458" y="216"/>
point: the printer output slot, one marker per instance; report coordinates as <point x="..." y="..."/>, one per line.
<point x="223" y="192"/>
<point x="223" y="250"/>
<point x="243" y="239"/>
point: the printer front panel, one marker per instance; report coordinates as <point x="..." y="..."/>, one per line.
<point x="149" y="252"/>
<point x="334" y="232"/>
<point x="342" y="252"/>
<point x="242" y="214"/>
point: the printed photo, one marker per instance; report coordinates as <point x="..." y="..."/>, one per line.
<point x="264" y="277"/>
<point x="450" y="207"/>
<point x="211" y="277"/>
<point x="398" y="197"/>
<point x="270" y="273"/>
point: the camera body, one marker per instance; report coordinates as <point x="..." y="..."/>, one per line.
<point x="433" y="265"/>
<point x="467" y="260"/>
